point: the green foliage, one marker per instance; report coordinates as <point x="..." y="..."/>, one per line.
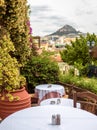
<point x="91" y="38"/>
<point x="81" y="82"/>
<point x="10" y="79"/>
<point x="40" y="70"/>
<point x="2" y="8"/>
<point x="14" y="43"/>
<point x="15" y="20"/>
<point x="77" y="53"/>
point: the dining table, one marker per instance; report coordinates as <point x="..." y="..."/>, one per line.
<point x="45" y="91"/>
<point x="45" y="118"/>
<point x="59" y="101"/>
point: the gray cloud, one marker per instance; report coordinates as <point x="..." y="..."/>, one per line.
<point x="36" y="10"/>
<point x="85" y="2"/>
<point x="36" y="21"/>
<point x="52" y="22"/>
<point x="48" y="16"/>
<point x="80" y="12"/>
<point x="43" y="16"/>
<point x="95" y="23"/>
<point x="52" y="18"/>
<point x="86" y="7"/>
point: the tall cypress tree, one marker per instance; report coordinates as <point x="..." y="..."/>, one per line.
<point x="15" y="19"/>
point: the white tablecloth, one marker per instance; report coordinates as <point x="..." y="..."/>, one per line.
<point x="39" y="118"/>
<point x="43" y="89"/>
<point x="58" y="102"/>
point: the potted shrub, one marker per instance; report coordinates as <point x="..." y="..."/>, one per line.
<point x="13" y="95"/>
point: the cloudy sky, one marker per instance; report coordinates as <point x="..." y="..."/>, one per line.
<point x="47" y="16"/>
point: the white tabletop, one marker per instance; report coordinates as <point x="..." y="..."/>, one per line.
<point x="39" y="118"/>
<point x="46" y="88"/>
<point x="49" y="87"/>
<point x="58" y="102"/>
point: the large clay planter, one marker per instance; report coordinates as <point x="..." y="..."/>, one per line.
<point x="7" y="107"/>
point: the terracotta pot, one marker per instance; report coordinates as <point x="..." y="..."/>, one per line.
<point x="7" y="107"/>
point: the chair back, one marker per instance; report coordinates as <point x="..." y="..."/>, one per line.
<point x="88" y="101"/>
<point x="70" y="88"/>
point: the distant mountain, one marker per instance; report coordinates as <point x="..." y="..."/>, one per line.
<point x="66" y="30"/>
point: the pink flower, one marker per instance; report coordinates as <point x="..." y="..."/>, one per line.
<point x="30" y="31"/>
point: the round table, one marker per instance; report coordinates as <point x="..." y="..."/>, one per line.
<point x="40" y="118"/>
<point x="45" y="91"/>
<point x="59" y="101"/>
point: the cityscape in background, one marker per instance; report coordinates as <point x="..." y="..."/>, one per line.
<point x="57" y="40"/>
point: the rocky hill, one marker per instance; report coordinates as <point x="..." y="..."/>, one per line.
<point x="66" y="30"/>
